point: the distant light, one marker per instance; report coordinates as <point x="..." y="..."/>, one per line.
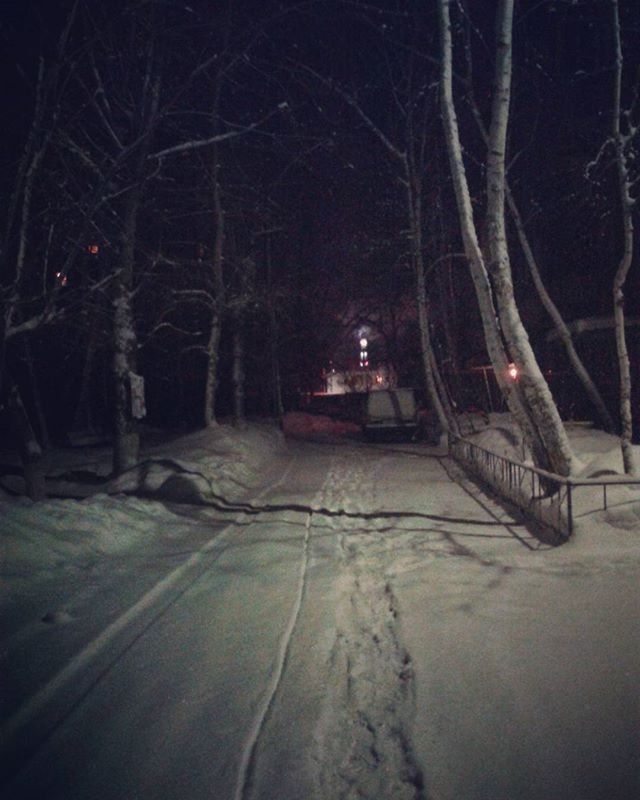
<point x="363" y="343"/>
<point x="93" y="249"/>
<point x="62" y="278"/>
<point x="513" y="372"/>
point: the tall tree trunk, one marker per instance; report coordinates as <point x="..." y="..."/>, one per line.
<point x="28" y="447"/>
<point x="215" y="331"/>
<point x="556" y="450"/>
<point x="83" y="414"/>
<point x="239" y="418"/>
<point x="620" y="142"/>
<point x="45" y="438"/>
<point x="126" y="447"/>
<point x="529" y="398"/>
<point x="276" y="383"/>
<point x="449" y="327"/>
<point x="479" y="276"/>
<point x="562" y="330"/>
<point x="439" y="401"/>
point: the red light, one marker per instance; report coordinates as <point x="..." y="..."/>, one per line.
<point x="93" y="249"/>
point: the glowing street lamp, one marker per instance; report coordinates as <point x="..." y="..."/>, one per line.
<point x="364" y="355"/>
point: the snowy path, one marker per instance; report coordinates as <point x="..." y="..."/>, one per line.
<point x="401" y="638"/>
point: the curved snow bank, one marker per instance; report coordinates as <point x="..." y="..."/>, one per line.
<point x="219" y="461"/>
<point x="37" y="537"/>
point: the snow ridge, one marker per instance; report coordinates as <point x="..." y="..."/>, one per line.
<point x="248" y="751"/>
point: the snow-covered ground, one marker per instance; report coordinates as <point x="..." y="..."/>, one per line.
<point x="321" y="619"/>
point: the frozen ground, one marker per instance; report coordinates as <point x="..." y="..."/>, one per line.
<point x="319" y="620"/>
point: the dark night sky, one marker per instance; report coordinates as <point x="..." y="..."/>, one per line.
<point x="331" y="183"/>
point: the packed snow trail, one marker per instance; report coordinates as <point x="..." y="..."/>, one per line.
<point x="363" y="739"/>
<point x="405" y="640"/>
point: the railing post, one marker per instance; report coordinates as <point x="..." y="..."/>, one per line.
<point x="503" y="474"/>
<point x="570" y="507"/>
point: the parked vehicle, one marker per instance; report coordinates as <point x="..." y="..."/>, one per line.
<point x="390" y="411"/>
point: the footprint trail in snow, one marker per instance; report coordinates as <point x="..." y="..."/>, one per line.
<point x="363" y="746"/>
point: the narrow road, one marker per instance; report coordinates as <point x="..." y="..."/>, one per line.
<point x="377" y="629"/>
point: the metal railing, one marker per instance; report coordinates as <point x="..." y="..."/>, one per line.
<point x="545" y="496"/>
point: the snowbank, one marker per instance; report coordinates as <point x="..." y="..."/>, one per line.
<point x="221" y="461"/>
<point x="600" y="457"/>
<point x="316" y="426"/>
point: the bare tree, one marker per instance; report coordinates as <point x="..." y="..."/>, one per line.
<point x="110" y="142"/>
<point x="407" y="150"/>
<point x="28" y="293"/>
<point x="552" y="309"/>
<point x="623" y="142"/>
<point x="529" y="398"/>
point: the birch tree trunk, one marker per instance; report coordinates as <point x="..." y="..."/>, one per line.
<point x="528" y="399"/>
<point x="45" y="438"/>
<point x="543" y="410"/>
<point x="28" y="447"/>
<point x="126" y="445"/>
<point x="215" y="332"/>
<point x="562" y="330"/>
<point x="414" y="208"/>
<point x="620" y="141"/>
<point x="83" y="414"/>
<point x="276" y="382"/>
<point x="239" y="418"/>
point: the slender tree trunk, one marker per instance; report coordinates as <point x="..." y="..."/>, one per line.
<point x="472" y="249"/>
<point x="215" y="332"/>
<point x="45" y="438"/>
<point x="563" y="331"/>
<point x="28" y="447"/>
<point x="544" y="414"/>
<point x="620" y="141"/>
<point x="276" y="383"/>
<point x="529" y="398"/>
<point x="83" y="415"/>
<point x="449" y="326"/>
<point x="439" y="402"/>
<point x="126" y="451"/>
<point x="239" y="418"/>
<point x="126" y="447"/>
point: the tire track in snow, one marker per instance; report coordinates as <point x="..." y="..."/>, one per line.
<point x="41" y="715"/>
<point x="247" y="759"/>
